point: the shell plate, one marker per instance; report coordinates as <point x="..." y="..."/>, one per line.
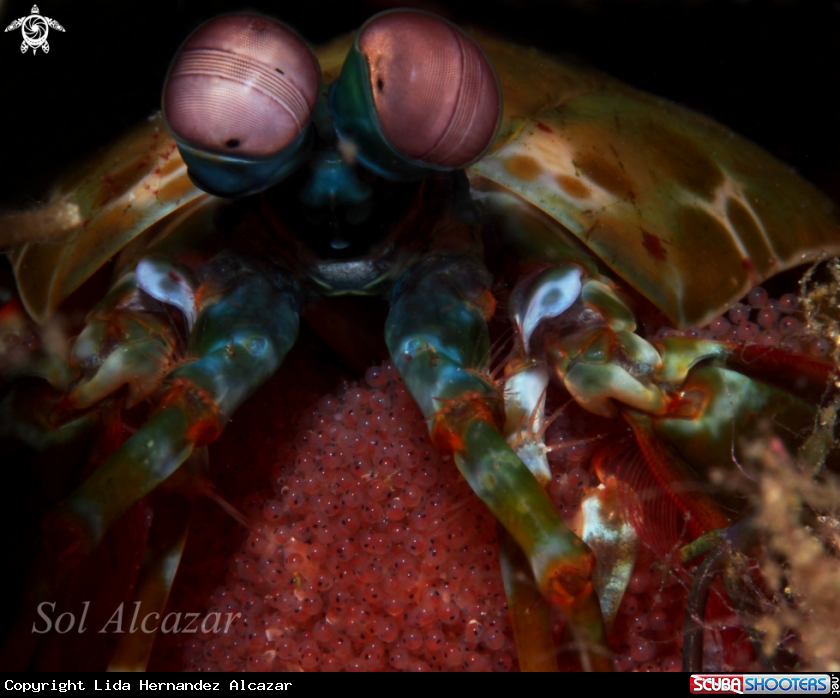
<point x="687" y="212"/>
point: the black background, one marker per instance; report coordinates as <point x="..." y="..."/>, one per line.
<point x="770" y="70"/>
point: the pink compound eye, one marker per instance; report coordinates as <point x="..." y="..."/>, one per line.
<point x="435" y="92"/>
<point x="241" y="85"/>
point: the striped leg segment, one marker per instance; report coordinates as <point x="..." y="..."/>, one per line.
<point x="246" y="325"/>
<point x="437" y="335"/>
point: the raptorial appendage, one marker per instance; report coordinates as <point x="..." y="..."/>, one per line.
<point x="688" y="402"/>
<point x="245" y="322"/>
<point x="437" y="335"/>
<point x="239" y="319"/>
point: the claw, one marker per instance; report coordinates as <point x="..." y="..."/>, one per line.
<point x="140" y="364"/>
<point x="170" y="283"/>
<point x="437" y="336"/>
<point x="585" y="331"/>
<point x="240" y="338"/>
<point x="684" y="409"/>
<point x="549" y="294"/>
<point x="128" y="341"/>
<point x="614" y="543"/>
<point x="526" y="382"/>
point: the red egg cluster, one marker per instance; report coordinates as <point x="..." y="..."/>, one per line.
<point x="761" y="320"/>
<point x="647" y="634"/>
<point x="374" y="554"/>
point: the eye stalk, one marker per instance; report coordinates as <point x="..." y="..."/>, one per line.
<point x="416" y="95"/>
<point x="238" y="100"/>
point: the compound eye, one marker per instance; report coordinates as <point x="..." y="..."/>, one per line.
<point x="416" y="95"/>
<point x="238" y="99"/>
<point x="435" y="92"/>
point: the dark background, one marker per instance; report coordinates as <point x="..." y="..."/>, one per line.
<point x="770" y="70"/>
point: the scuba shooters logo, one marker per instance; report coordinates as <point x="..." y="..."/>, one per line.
<point x="777" y="684"/>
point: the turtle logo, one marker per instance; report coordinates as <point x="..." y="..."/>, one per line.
<point x="35" y="28"/>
